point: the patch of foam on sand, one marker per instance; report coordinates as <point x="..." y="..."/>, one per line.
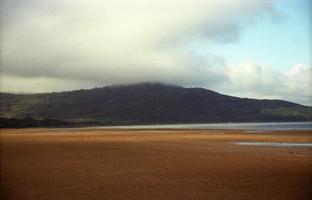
<point x="275" y="144"/>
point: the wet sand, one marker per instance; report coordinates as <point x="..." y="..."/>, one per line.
<point x="64" y="164"/>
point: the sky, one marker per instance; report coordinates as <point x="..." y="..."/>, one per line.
<point x="257" y="49"/>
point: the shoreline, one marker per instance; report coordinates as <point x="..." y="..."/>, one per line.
<point x="253" y="126"/>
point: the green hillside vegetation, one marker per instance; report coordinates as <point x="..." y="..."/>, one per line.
<point x="148" y="103"/>
<point x="29" y="122"/>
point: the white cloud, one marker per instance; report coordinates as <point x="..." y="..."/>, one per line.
<point x="17" y="84"/>
<point x="96" y="40"/>
<point x="50" y="45"/>
<point x="260" y="81"/>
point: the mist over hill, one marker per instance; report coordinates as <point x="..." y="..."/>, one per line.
<point x="148" y="103"/>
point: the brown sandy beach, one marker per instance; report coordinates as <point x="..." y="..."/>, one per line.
<point x="65" y="164"/>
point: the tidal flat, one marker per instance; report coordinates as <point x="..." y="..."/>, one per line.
<point x="127" y="164"/>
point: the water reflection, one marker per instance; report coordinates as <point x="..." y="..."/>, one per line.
<point x="238" y="126"/>
<point x="275" y="144"/>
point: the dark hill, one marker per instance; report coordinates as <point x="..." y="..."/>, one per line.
<point x="148" y="103"/>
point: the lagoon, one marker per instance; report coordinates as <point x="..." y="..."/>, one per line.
<point x="252" y="127"/>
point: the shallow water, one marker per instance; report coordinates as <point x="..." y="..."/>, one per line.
<point x="238" y="126"/>
<point x="275" y="144"/>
